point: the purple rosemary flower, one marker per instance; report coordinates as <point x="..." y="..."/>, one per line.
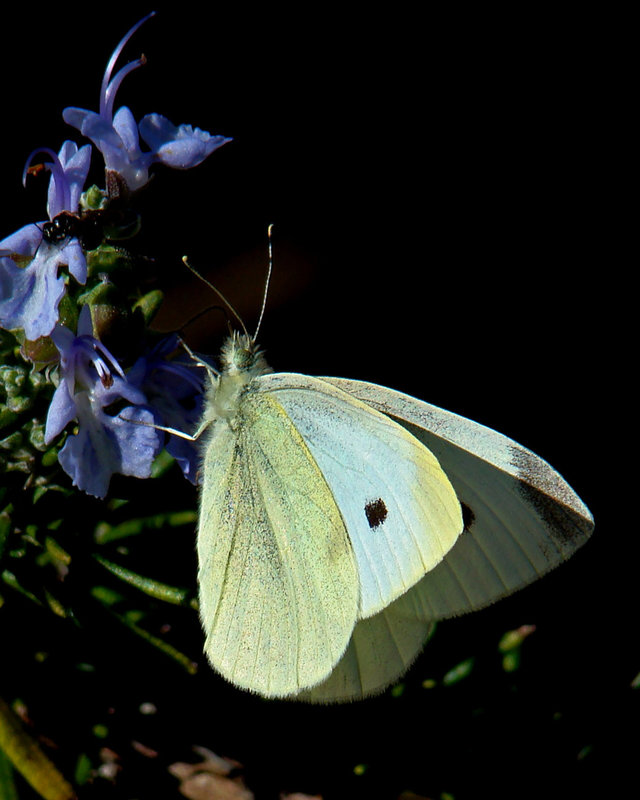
<point x="29" y="295"/>
<point x="117" y="135"/>
<point x="174" y="389"/>
<point x="91" y="381"/>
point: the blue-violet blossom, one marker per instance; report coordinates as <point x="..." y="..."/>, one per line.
<point x="90" y="381"/>
<point x="29" y="296"/>
<point x="116" y="136"/>
<point x="174" y="389"/>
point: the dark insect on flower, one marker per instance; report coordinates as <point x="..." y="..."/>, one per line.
<point x="86" y="226"/>
<point x="91" y="226"/>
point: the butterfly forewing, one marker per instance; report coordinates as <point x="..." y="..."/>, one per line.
<point x="278" y="580"/>
<point x="399" y="508"/>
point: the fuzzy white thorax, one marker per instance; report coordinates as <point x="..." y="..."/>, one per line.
<point x="241" y="361"/>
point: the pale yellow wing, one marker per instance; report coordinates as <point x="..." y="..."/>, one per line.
<point x="278" y="579"/>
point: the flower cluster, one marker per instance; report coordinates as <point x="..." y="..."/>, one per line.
<point x="48" y="290"/>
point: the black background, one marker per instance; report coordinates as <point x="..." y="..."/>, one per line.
<point x="440" y="226"/>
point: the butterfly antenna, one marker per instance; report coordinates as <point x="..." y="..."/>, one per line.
<point x="219" y="293"/>
<point x="266" y="284"/>
<point x="201" y="313"/>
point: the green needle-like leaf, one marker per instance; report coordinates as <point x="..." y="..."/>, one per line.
<point x="182" y="659"/>
<point x="108" y="533"/>
<point x="161" y="591"/>
<point x="26" y="756"/>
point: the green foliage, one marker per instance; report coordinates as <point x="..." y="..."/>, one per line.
<point x="25" y="754"/>
<point x="64" y="576"/>
<point x="24" y="397"/>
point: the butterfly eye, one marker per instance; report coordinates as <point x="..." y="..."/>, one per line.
<point x="376" y="513"/>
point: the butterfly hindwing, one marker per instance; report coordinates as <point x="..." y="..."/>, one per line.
<point x="381" y="650"/>
<point x="522" y="518"/>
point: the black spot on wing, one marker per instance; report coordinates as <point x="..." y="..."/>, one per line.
<point x="376" y="513"/>
<point x="468" y="517"/>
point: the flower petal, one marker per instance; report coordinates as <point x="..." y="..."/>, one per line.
<point x="105" y="445"/>
<point x="75" y="168"/>
<point x="30" y="296"/>
<point x="124" y="124"/>
<point x="180" y="147"/>
<point x="140" y="443"/>
<point x="174" y="389"/>
<point x="61" y="411"/>
<point x="25" y="240"/>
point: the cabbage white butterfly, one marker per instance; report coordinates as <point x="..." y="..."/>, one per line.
<point x="339" y="519"/>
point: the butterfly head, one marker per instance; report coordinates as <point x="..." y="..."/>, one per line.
<point x="241" y="361"/>
<point x="241" y="355"/>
